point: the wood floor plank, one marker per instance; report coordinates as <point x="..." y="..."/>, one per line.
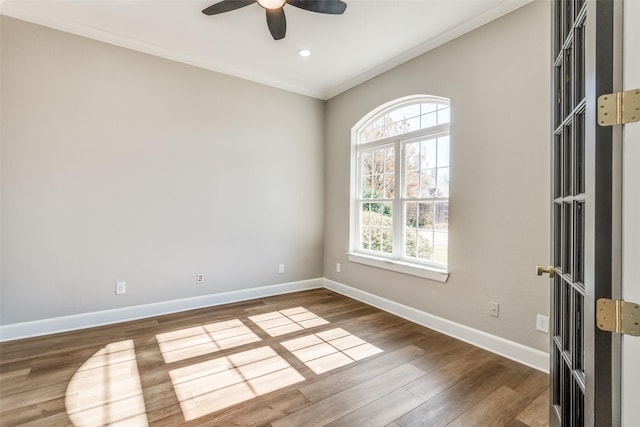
<point x="381" y="411"/>
<point x="31" y="413"/>
<point x="440" y="350"/>
<point x="340" y="404"/>
<point x="458" y="369"/>
<point x="455" y="400"/>
<point x="352" y="376"/>
<point x="516" y="423"/>
<point x="262" y="412"/>
<point x="537" y="413"/>
<point x="490" y="411"/>
<point x="420" y="377"/>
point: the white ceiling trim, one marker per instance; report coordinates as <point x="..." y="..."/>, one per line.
<point x="23" y="12"/>
<point x="470" y="25"/>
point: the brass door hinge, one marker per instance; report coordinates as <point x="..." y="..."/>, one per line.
<point x="618" y="316"/>
<point x="619" y="108"/>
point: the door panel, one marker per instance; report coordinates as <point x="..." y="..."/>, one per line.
<point x="583" y="181"/>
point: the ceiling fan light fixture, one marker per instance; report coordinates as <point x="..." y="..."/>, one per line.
<point x="271" y="4"/>
<point x="276" y="20"/>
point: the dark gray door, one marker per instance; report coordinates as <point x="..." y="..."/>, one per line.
<point x="583" y="358"/>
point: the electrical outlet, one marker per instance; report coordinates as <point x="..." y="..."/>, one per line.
<point x="542" y="323"/>
<point x="494" y="309"/>
<point x="280" y="268"/>
<point x="337" y="267"/>
<point x="200" y="278"/>
<point x="121" y="288"/>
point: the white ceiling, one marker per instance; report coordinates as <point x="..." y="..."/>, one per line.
<point x="371" y="37"/>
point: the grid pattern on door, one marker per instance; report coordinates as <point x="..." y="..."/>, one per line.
<point x="568" y="378"/>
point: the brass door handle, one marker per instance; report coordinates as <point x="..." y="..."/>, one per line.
<point x="549" y="270"/>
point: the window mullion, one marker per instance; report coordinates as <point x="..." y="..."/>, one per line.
<point x="358" y="199"/>
<point x="398" y="235"/>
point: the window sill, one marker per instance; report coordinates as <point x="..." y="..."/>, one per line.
<point x="425" y="272"/>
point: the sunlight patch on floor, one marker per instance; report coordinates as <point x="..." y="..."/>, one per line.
<point x="328" y="350"/>
<point x="191" y="342"/>
<point x="210" y="386"/>
<point x="106" y="390"/>
<point x="282" y="322"/>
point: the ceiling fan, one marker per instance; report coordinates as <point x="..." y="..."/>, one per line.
<point x="275" y="10"/>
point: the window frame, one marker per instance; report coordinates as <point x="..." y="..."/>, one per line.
<point x="395" y="261"/>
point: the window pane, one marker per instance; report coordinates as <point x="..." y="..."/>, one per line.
<point x="378" y="161"/>
<point x="389" y="185"/>
<point x="410" y="247"/>
<point x="412" y="124"/>
<point x="411" y="215"/>
<point x="375" y="240"/>
<point x="443" y="151"/>
<point x="425" y="245"/>
<point x="443" y="182"/>
<point x="440" y="247"/>
<point x="441" y="217"/>
<point x="366" y="135"/>
<point x="428" y="120"/>
<point x="405" y="119"/>
<point x="378" y="132"/>
<point x="377" y="227"/>
<point x="366" y="231"/>
<point x="387" y="215"/>
<point x="378" y="173"/>
<point x="390" y="160"/>
<point x="412" y="153"/>
<point x="377" y="184"/>
<point x="428" y="152"/>
<point x="379" y="122"/>
<point x="403" y="126"/>
<point x="425" y="215"/>
<point x="428" y="108"/>
<point x="366" y="187"/>
<point x="412" y="184"/>
<point x="387" y="240"/>
<point x="365" y="220"/>
<point x="405" y="112"/>
<point x="444" y="115"/>
<point x="428" y="183"/>
<point x="366" y="162"/>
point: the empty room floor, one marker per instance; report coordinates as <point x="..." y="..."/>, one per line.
<point x="310" y="358"/>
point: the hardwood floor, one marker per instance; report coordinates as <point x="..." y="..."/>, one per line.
<point x="311" y="358"/>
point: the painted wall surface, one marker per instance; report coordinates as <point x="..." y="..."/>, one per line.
<point x="497" y="78"/>
<point x="120" y="166"/>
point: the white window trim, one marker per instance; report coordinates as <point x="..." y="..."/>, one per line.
<point x="396" y="264"/>
<point x="412" y="269"/>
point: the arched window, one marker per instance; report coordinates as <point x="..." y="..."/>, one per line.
<point x="400" y="187"/>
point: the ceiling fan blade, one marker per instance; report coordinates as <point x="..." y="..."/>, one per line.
<point x="334" y="7"/>
<point x="277" y="23"/>
<point x="226" y="6"/>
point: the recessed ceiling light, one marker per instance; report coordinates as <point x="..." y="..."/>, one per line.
<point x="304" y="52"/>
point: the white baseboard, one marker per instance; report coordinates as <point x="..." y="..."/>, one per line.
<point x="526" y="355"/>
<point x="522" y="354"/>
<point x="106" y="317"/>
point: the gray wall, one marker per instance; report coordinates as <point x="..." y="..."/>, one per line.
<point x="118" y="165"/>
<point x="497" y="78"/>
<point x="122" y="166"/>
